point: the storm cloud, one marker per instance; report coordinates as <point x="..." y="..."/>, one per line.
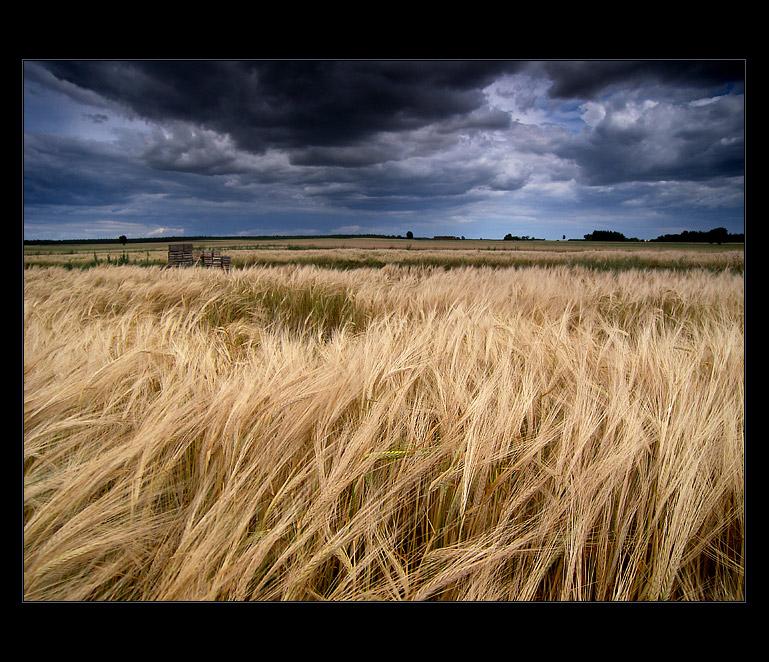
<point x="441" y="147"/>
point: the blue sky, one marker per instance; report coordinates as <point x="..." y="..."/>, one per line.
<point x="476" y="148"/>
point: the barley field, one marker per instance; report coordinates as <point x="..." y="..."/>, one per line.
<point x="407" y="432"/>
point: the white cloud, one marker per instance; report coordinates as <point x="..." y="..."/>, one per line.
<point x="592" y="112"/>
<point x="629" y="114"/>
<point x="704" y="102"/>
<point x="165" y="231"/>
<point x="521" y="95"/>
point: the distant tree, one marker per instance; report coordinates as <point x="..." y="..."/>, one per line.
<point x="605" y="235"/>
<point x="508" y="237"/>
<point x="714" y="236"/>
<point x="122" y="238"/>
<point x="564" y="236"/>
<point x="409" y="235"/>
<point x="718" y="236"/>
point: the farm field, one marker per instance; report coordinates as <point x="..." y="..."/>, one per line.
<point x="539" y="422"/>
<point x="379" y="251"/>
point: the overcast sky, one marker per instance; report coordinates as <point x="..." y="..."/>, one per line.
<point x="475" y="148"/>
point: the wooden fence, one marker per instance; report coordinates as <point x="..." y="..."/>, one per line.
<point x="182" y="255"/>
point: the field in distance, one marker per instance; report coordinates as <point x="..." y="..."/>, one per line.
<point x="352" y="252"/>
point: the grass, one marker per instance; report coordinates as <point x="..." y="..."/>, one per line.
<point x="402" y="433"/>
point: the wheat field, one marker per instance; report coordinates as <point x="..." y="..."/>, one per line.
<point x="293" y="433"/>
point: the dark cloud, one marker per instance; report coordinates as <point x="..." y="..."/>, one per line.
<point x="327" y="137"/>
<point x="180" y="147"/>
<point x="63" y="171"/>
<point x="589" y="79"/>
<point x="292" y="104"/>
<point x="658" y="141"/>
<point x="342" y="157"/>
<point x="96" y="118"/>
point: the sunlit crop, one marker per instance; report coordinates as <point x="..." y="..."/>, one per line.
<point x="545" y="433"/>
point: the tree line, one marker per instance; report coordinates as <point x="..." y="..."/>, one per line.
<point x="714" y="236"/>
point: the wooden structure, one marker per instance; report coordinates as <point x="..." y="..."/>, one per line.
<point x="212" y="258"/>
<point x="180" y="255"/>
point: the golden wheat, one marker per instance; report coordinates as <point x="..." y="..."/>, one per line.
<point x="295" y="433"/>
